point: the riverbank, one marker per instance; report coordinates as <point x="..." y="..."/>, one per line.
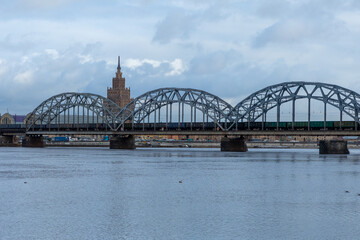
<point x="182" y="144"/>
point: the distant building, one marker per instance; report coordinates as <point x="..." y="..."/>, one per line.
<point x="118" y="93"/>
<point x="7" y="118"/>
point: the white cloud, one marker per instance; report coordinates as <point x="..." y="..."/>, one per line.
<point x="3" y="67"/>
<point x="177" y="68"/>
<point x="53" y="53"/>
<point x="24" y="78"/>
<point x="173" y="68"/>
<point x="133" y="63"/>
<point x="351" y="19"/>
<point x="85" y="58"/>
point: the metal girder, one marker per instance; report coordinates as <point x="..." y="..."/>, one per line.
<point x="257" y="104"/>
<point x="53" y="107"/>
<point x="250" y="109"/>
<point x="141" y="107"/>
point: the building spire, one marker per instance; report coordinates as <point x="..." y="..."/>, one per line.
<point x="118" y="67"/>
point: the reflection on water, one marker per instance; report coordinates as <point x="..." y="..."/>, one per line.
<point x="96" y="193"/>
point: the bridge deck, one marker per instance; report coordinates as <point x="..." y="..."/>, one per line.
<point x="214" y="133"/>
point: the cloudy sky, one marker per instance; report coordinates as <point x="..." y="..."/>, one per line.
<point x="230" y="48"/>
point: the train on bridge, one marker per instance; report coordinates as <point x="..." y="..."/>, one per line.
<point x="314" y="125"/>
<point x="186" y="126"/>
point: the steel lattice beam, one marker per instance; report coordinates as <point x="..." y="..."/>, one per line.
<point x="259" y="103"/>
<point x="54" y="106"/>
<point x="138" y="109"/>
<point x="252" y="108"/>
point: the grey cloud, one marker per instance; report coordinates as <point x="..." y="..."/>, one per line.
<point x="310" y="8"/>
<point x="229" y="75"/>
<point x="296" y="41"/>
<point x="273" y="9"/>
<point x="297" y="21"/>
<point x="92" y="48"/>
<point x="224" y="73"/>
<point x="177" y="24"/>
<point x="286" y="31"/>
<point x="147" y="77"/>
<point x="214" y="62"/>
<point x="42" y="75"/>
<point x="305" y="22"/>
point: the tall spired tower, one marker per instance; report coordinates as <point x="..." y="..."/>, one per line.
<point x="118" y="93"/>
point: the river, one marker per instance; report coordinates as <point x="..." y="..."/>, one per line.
<point x="97" y="193"/>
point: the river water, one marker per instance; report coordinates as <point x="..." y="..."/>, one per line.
<point x="97" y="193"/>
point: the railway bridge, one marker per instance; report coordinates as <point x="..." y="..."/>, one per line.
<point x="185" y="111"/>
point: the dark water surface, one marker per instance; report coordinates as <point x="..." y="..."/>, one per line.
<point x="97" y="193"/>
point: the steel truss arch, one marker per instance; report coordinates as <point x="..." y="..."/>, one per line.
<point x="259" y="103"/>
<point x="141" y="107"/>
<point x="53" y="107"/>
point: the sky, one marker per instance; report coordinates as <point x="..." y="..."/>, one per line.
<point x="230" y="48"/>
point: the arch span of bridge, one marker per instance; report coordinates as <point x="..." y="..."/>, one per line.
<point x="210" y="105"/>
<point x="255" y="106"/>
<point x="66" y="108"/>
<point x="259" y="103"/>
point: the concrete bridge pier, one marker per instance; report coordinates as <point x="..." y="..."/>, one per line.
<point x="333" y="147"/>
<point x="35" y="141"/>
<point x="6" y="140"/>
<point x="122" y="142"/>
<point x="233" y="144"/>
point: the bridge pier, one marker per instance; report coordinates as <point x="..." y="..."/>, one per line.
<point x="35" y="141"/>
<point x="233" y="144"/>
<point x="6" y="141"/>
<point x="333" y="147"/>
<point x="122" y="142"/>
